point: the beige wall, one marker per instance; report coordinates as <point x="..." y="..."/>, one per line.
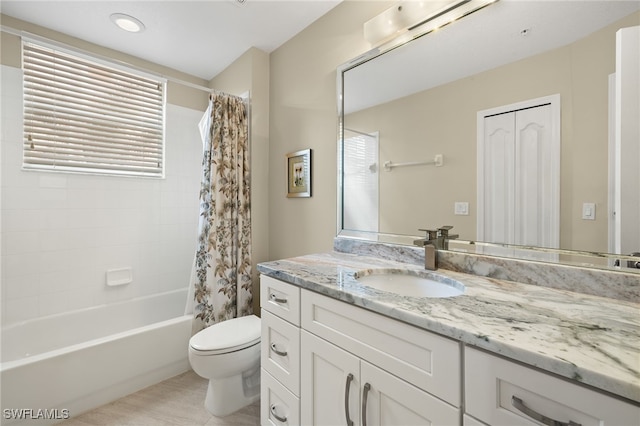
<point x="303" y="114"/>
<point x="250" y="73"/>
<point x="443" y="121"/>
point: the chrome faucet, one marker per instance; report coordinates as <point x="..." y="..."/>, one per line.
<point x="437" y="239"/>
<point x="630" y="263"/>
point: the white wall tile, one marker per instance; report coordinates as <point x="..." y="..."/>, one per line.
<point x="55" y="282"/>
<point x="52" y="219"/>
<point x="52" y="180"/>
<point x="81" y="198"/>
<point x="53" y="303"/>
<point x="53" y="240"/>
<point x="54" y="261"/>
<point x="20" y="310"/>
<point x="21" y="286"/>
<point x="61" y="232"/>
<point x="20" y="198"/>
<point x="15" y="265"/>
<point x="20" y="242"/>
<point x="14" y="220"/>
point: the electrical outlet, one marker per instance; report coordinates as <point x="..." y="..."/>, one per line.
<point x="461" y="208"/>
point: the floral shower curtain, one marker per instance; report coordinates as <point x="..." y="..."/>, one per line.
<point x="221" y="275"/>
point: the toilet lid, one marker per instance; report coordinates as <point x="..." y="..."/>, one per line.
<point x="228" y="336"/>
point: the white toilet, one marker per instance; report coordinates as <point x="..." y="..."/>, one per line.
<point x="228" y="354"/>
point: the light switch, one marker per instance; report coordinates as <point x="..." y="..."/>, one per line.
<point x="589" y="211"/>
<point x="461" y="208"/>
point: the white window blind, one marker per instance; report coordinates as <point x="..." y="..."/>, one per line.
<point x="361" y="186"/>
<point x="83" y="116"/>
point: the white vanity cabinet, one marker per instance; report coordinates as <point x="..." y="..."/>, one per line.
<point x="352" y="366"/>
<point x="501" y="392"/>
<point x="361" y="368"/>
<point x="329" y="362"/>
<point x="338" y="388"/>
<point x="280" y="353"/>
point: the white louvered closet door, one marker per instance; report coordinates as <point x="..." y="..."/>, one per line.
<point x="518" y="198"/>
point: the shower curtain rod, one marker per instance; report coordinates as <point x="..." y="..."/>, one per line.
<point x="21" y="34"/>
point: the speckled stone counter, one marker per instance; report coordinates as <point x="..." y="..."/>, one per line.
<point x="588" y="339"/>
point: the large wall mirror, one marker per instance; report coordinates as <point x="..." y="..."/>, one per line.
<point x="501" y="124"/>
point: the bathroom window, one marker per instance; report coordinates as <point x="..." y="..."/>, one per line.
<point x="84" y="115"/>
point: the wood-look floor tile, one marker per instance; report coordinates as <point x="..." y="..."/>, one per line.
<point x="178" y="401"/>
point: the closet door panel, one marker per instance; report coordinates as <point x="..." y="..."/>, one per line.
<point x="534" y="177"/>
<point x="499" y="141"/>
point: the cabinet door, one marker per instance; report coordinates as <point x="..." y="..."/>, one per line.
<point x="389" y="401"/>
<point x="329" y="376"/>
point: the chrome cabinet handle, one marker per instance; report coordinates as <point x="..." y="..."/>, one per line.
<point x="365" y="393"/>
<point x="274" y="349"/>
<point x="276" y="299"/>
<point x="519" y="404"/>
<point x="346" y="399"/>
<point x="274" y="414"/>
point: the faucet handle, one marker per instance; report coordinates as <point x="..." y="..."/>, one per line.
<point x="432" y="234"/>
<point x="444" y="230"/>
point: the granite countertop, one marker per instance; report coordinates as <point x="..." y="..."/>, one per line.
<point x="588" y="339"/>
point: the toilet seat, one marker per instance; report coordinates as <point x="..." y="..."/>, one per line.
<point x="227" y="336"/>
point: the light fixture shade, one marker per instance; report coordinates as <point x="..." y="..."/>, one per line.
<point x="408" y="15"/>
<point x="400" y="17"/>
<point x="127" y="22"/>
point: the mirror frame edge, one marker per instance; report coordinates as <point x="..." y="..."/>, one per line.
<point x="406" y="240"/>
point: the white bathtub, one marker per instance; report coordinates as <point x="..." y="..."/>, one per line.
<point x="63" y="365"/>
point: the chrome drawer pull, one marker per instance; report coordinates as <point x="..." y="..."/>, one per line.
<point x="273" y="348"/>
<point x="278" y="418"/>
<point x="365" y="393"/>
<point x="276" y="299"/>
<point x="517" y="402"/>
<point x="346" y="399"/>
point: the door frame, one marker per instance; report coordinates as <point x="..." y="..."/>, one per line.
<point x="554" y="102"/>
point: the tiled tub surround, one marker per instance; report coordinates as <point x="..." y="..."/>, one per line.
<point x="588" y="339"/>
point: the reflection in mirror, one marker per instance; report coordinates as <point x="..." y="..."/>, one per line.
<point x="467" y="92"/>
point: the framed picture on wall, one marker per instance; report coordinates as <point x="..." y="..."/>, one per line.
<point x="299" y="174"/>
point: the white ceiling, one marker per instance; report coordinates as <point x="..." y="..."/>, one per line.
<point x="200" y="38"/>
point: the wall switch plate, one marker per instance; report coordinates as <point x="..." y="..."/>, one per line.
<point x="461" y="208"/>
<point x="589" y="211"/>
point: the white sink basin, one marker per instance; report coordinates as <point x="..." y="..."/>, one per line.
<point x="410" y="283"/>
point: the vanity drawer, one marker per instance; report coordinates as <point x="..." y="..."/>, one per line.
<point x="280" y="351"/>
<point x="426" y="360"/>
<point x="495" y="388"/>
<point x="278" y="406"/>
<point x="280" y="298"/>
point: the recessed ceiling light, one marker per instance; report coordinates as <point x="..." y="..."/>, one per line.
<point x="127" y="22"/>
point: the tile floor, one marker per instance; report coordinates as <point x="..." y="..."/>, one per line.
<point x="178" y="401"/>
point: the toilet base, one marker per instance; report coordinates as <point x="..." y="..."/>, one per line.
<point x="230" y="394"/>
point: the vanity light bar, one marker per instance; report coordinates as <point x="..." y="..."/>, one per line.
<point x="421" y="16"/>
